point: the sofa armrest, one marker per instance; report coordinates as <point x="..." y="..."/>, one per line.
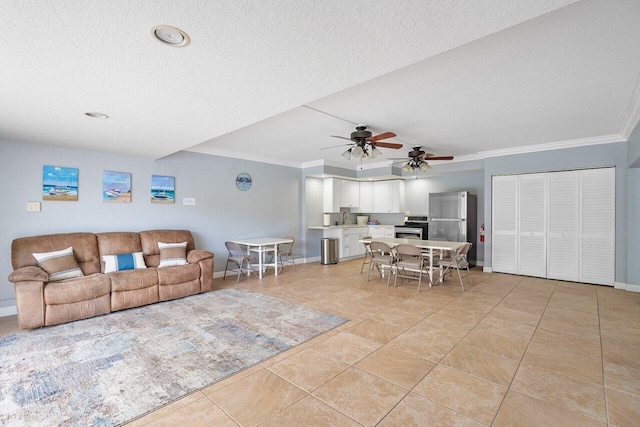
<point x="196" y="256"/>
<point x="30" y="273"/>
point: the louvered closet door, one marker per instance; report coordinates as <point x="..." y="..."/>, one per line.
<point x="504" y="205"/>
<point x="563" y="225"/>
<point x="532" y="258"/>
<point x="598" y="226"/>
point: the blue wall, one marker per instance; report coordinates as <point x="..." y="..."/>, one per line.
<point x="270" y="208"/>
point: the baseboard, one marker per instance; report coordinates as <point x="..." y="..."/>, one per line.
<point x="8" y="311"/>
<point x="627" y="287"/>
<point x="487" y="269"/>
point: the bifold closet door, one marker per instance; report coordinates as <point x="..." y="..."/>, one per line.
<point x="504" y="214"/>
<point x="597" y="204"/>
<point x="532" y="212"/>
<point x="563" y="225"/>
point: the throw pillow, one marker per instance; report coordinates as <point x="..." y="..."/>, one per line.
<point x="172" y="254"/>
<point x="132" y="261"/>
<point x="59" y="264"/>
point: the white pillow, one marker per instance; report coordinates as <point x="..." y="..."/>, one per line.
<point x="172" y="254"/>
<point x="132" y="261"/>
<point x="59" y="264"/>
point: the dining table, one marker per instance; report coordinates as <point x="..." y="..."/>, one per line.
<point x="263" y="246"/>
<point x="428" y="247"/>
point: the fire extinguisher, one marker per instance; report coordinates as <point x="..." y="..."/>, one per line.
<point x="482" y="233"/>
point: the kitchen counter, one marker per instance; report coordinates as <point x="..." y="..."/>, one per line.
<point x="320" y="227"/>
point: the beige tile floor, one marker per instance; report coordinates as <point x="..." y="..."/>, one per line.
<point x="509" y="350"/>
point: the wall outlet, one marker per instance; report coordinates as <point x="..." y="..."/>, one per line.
<point x="33" y="206"/>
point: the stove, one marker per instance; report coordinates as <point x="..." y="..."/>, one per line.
<point x="413" y="226"/>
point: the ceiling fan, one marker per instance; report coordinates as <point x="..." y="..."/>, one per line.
<point x="365" y="145"/>
<point x="418" y="160"/>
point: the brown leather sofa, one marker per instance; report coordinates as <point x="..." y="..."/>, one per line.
<point x="43" y="303"/>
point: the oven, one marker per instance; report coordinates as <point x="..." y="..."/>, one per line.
<point x="417" y="226"/>
<point x="403" y="231"/>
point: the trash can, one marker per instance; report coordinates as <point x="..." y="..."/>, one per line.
<point x="328" y="251"/>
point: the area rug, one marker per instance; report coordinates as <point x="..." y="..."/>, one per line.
<point x="111" y="369"/>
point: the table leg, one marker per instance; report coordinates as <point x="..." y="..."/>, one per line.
<point x="275" y="258"/>
<point x="260" y="255"/>
<point x="430" y="267"/>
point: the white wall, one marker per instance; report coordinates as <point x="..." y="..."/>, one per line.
<point x="271" y="207"/>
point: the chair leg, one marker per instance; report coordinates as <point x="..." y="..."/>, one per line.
<point x="391" y="267"/>
<point x="364" y="261"/>
<point x="460" y="277"/>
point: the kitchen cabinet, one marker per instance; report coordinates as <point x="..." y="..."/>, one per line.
<point x="350" y="245"/>
<point x="339" y="193"/>
<point x="366" y="197"/>
<point x="377" y="231"/>
<point x="388" y="196"/>
<point x="558" y="225"/>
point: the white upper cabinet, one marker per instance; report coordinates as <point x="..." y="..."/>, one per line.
<point x="340" y="193"/>
<point x="366" y="197"/>
<point x="349" y="194"/>
<point x="388" y="196"/>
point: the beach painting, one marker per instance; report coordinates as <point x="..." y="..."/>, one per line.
<point x="162" y="189"/>
<point x="116" y="187"/>
<point x="59" y="183"/>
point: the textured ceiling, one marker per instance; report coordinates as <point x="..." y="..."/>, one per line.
<point x="271" y="81"/>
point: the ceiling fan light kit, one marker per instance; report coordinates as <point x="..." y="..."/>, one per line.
<point x="364" y="145"/>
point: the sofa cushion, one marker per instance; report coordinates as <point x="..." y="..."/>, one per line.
<point x="178" y="274"/>
<point x="150" y="239"/>
<point x="120" y="242"/>
<point x="77" y="289"/>
<point x="133" y="279"/>
<point x="85" y="249"/>
<point x="59" y="265"/>
<point x="172" y="254"/>
<point x="121" y="262"/>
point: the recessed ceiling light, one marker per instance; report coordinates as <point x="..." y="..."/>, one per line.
<point x="171" y="36"/>
<point x="96" y="115"/>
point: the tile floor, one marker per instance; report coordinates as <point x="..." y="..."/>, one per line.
<point x="509" y="350"/>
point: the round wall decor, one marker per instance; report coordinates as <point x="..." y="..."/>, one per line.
<point x="243" y="181"/>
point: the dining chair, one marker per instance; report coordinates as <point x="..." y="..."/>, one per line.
<point x="381" y="257"/>
<point x="242" y="261"/>
<point x="367" y="252"/>
<point x="285" y="253"/>
<point x="409" y="264"/>
<point x="457" y="261"/>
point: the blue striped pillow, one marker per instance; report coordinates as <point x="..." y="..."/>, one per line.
<point x="121" y="262"/>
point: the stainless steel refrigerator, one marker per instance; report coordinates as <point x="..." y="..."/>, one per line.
<point x="452" y="218"/>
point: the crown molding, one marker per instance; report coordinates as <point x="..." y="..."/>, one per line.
<point x="560" y="145"/>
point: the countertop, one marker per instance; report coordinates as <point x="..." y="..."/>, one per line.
<point x="320" y="227"/>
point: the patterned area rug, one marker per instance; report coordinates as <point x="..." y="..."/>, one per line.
<point x="111" y="369"/>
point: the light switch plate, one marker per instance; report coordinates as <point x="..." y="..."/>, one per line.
<point x="188" y="201"/>
<point x="33" y="206"/>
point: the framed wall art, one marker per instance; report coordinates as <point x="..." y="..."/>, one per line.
<point x="59" y="183"/>
<point x="162" y="189"/>
<point x="116" y="187"/>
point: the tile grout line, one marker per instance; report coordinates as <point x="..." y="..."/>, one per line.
<point x="604" y="376"/>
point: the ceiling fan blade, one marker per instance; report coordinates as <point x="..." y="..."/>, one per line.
<point x="381" y="136"/>
<point x="387" y="145"/>
<point x="341" y="137"/>
<point x="440" y="158"/>
<point x="334" y="146"/>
